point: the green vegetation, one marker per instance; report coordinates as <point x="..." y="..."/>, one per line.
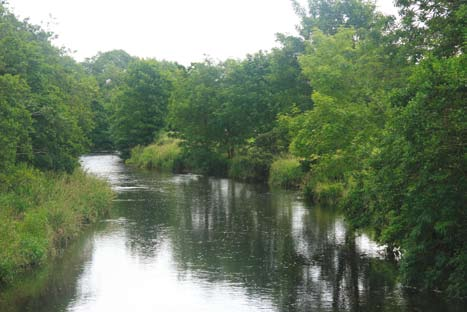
<point x="45" y="95"/>
<point x="163" y="155"/>
<point x="41" y="212"/>
<point x="46" y="121"/>
<point x="286" y="173"/>
<point x="140" y="106"/>
<point x="251" y="166"/>
<point x="412" y="191"/>
<point x="373" y="108"/>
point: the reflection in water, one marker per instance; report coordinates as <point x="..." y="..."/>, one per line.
<point x="191" y="243"/>
<point x="52" y="287"/>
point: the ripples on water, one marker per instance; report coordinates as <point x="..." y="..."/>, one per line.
<point x="191" y="243"/>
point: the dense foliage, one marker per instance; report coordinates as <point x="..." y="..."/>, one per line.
<point x="360" y="110"/>
<point x="46" y="120"/>
<point x="108" y="69"/>
<point x="387" y="133"/>
<point x="140" y="106"/>
<point x="412" y="191"/>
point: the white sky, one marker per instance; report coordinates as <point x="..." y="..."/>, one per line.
<point x="175" y="30"/>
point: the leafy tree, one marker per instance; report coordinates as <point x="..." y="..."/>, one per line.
<point x="329" y="15"/>
<point x="59" y="93"/>
<point x="438" y="26"/>
<point x="225" y="107"/>
<point x="247" y="107"/>
<point x="140" y="105"/>
<point x="108" y="65"/>
<point x="349" y="77"/>
<point x="108" y="69"/>
<point x="194" y="103"/>
<point x="413" y="192"/>
<point x="15" y="121"/>
<point x="290" y="87"/>
<point x="101" y="137"/>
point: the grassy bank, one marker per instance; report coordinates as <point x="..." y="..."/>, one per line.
<point x="40" y="212"/>
<point x="286" y="173"/>
<point x="161" y="155"/>
<point x="252" y="165"/>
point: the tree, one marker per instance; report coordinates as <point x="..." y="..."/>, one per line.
<point x="140" y="105"/>
<point x="329" y="15"/>
<point x="438" y="26"/>
<point x="413" y="192"/>
<point x="15" y="121"/>
<point x="289" y="85"/>
<point x="194" y="103"/>
<point x="349" y="75"/>
<point x="247" y="107"/>
<point x="58" y="90"/>
<point x="108" y="65"/>
<point x="108" y="69"/>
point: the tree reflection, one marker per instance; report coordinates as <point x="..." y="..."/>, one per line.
<point x="267" y="244"/>
<point x="302" y="257"/>
<point x="54" y="284"/>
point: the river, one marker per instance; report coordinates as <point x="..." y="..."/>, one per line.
<point x="194" y="243"/>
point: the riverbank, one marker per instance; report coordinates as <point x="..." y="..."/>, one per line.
<point x="41" y="212"/>
<point x="167" y="154"/>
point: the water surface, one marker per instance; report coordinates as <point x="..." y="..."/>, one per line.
<point x="193" y="243"/>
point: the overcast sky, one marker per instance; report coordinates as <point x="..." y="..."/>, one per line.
<point x="175" y="30"/>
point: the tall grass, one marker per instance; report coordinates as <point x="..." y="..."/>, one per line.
<point x="162" y="155"/>
<point x="286" y="173"/>
<point x="41" y="212"/>
<point x="326" y="182"/>
<point x="323" y="192"/>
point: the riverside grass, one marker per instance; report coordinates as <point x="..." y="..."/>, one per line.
<point x="40" y="213"/>
<point x="161" y="155"/>
<point x="286" y="173"/>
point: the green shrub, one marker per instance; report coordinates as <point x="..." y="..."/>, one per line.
<point x="286" y="173"/>
<point x="203" y="161"/>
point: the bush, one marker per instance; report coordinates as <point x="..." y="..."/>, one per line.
<point x="203" y="161"/>
<point x="286" y="173"/>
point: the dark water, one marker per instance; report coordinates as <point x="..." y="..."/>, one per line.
<point x="191" y="243"/>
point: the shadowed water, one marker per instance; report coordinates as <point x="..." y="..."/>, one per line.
<point x="192" y="243"/>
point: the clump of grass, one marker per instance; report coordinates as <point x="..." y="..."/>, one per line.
<point x="162" y="155"/>
<point x="323" y="192"/>
<point x="40" y="212"/>
<point x="286" y="172"/>
<point x="328" y="192"/>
